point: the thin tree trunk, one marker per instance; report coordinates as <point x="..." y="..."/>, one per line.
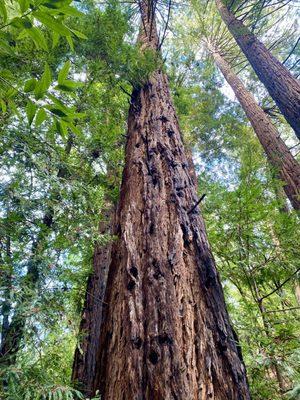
<point x="84" y="366"/>
<point x="7" y="283"/>
<point x="15" y="331"/>
<point x="244" y="252"/>
<point x="274" y="364"/>
<point x="281" y="198"/>
<point x="166" y="332"/>
<point x="11" y="343"/>
<point x="297" y="291"/>
<point x="280" y="83"/>
<point x="278" y="154"/>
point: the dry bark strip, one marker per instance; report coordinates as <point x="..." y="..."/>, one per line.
<point x="84" y="365"/>
<point x="280" y="83"/>
<point x="165" y="331"/>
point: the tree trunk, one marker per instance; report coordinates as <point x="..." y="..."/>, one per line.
<point x="280" y="83"/>
<point x="166" y="332"/>
<point x="14" y="332"/>
<point x="84" y="365"/>
<point x="274" y="363"/>
<point x="276" y="150"/>
<point x="7" y="284"/>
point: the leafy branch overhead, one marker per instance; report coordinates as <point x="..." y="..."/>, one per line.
<point x="115" y="248"/>
<point x="39" y="96"/>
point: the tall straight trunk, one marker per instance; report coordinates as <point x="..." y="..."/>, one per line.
<point x="165" y="331"/>
<point x="278" y="154"/>
<point x="84" y="365"/>
<point x="280" y="83"/>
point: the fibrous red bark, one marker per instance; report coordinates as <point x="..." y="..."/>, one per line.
<point x="84" y="365"/>
<point x="279" y="156"/>
<point x="165" y="331"/>
<point x="280" y="83"/>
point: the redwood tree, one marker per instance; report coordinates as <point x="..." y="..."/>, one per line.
<point x="280" y="83"/>
<point x="280" y="158"/>
<point x="84" y="364"/>
<point x="165" y="331"/>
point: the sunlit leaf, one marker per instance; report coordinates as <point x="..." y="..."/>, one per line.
<point x="30" y="111"/>
<point x="3" y="105"/>
<point x="79" y="34"/>
<point x="43" y="84"/>
<point x="69" y="86"/>
<point x="55" y="39"/>
<point x="63" y="73"/>
<point x="51" y="23"/>
<point x="24" y="4"/>
<point x="41" y="116"/>
<point x="70" y="42"/>
<point x="30" y="85"/>
<point x="38" y="38"/>
<point x="3" y="11"/>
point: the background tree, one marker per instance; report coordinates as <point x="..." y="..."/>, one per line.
<point x="242" y="196"/>
<point x="280" y="83"/>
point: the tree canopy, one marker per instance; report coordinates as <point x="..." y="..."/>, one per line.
<point x="67" y="70"/>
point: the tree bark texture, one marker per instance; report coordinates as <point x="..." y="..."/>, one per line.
<point x="280" y="83"/>
<point x="84" y="364"/>
<point x="278" y="154"/>
<point x="166" y="332"/>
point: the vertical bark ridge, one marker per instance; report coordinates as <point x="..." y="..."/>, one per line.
<point x="84" y="365"/>
<point x="165" y="333"/>
<point x="280" y="83"/>
<point x="278" y="154"/>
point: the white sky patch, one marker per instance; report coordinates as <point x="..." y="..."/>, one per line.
<point x="99" y="166"/>
<point x="227" y="91"/>
<point x="81" y="76"/>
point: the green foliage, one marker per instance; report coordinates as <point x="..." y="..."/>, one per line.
<point x="52" y="198"/>
<point x="65" y="72"/>
<point x="294" y="394"/>
<point x="256" y="247"/>
<point x="32" y="23"/>
<point x="255" y="243"/>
